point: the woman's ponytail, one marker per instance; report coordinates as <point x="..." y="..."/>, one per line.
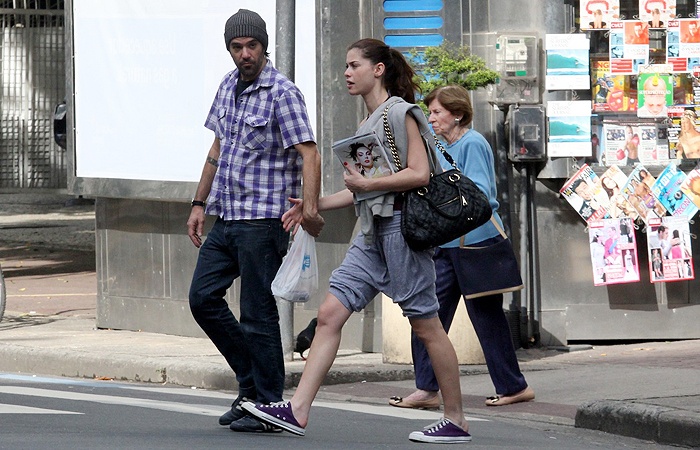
<point x="400" y="81"/>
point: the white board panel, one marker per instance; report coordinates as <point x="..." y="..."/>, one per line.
<point x="145" y="76"/>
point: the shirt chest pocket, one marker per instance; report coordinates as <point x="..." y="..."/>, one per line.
<point x="255" y="132"/>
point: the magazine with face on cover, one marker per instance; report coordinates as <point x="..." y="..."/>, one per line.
<point x="612" y="182"/>
<point x="366" y="154"/>
<point x="585" y="194"/>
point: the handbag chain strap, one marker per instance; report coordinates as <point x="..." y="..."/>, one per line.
<point x="390" y="138"/>
<point x="395" y="153"/>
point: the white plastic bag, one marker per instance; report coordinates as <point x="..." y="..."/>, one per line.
<point x="297" y="278"/>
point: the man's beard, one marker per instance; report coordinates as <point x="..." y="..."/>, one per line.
<point x="250" y="72"/>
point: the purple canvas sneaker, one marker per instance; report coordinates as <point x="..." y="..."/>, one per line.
<point x="276" y="414"/>
<point x="443" y="432"/>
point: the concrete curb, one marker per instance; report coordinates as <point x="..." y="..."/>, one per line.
<point x="202" y="373"/>
<point x="72" y="363"/>
<point x="655" y="423"/>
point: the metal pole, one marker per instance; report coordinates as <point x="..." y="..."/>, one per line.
<point x="284" y="62"/>
<point x="535" y="305"/>
<point x="525" y="325"/>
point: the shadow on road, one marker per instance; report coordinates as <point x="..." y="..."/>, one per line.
<point x="23" y="261"/>
<point x="10" y="322"/>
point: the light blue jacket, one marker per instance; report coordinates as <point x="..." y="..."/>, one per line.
<point x="474" y="157"/>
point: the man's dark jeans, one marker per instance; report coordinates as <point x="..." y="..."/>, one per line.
<point x="253" y="251"/>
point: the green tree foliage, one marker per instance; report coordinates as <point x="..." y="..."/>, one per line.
<point x="451" y="64"/>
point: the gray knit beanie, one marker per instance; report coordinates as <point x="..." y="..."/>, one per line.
<point x="245" y="23"/>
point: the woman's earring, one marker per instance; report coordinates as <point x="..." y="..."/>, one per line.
<point x="457" y="120"/>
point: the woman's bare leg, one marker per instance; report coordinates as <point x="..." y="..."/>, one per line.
<point x="332" y="315"/>
<point x="444" y="359"/>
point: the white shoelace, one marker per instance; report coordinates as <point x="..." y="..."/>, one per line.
<point x="280" y="404"/>
<point x="432" y="428"/>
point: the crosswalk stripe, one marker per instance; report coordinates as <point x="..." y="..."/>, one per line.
<point x="207" y="410"/>
<point x="108" y="384"/>
<point x="18" y="409"/>
<point x="390" y="411"/>
<point x="115" y="400"/>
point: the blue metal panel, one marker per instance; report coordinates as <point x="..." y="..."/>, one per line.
<point x="412" y="23"/>
<point x="413" y="40"/>
<point x="412" y="5"/>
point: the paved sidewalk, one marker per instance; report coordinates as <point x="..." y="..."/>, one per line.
<point x="647" y="390"/>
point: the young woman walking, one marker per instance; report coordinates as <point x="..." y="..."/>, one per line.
<point x="379" y="259"/>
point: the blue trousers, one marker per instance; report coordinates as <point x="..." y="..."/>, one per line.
<point x="253" y="251"/>
<point x="488" y="319"/>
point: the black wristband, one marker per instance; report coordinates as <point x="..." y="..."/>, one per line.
<point x="198" y="203"/>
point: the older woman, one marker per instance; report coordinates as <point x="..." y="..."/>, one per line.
<point x="455" y="264"/>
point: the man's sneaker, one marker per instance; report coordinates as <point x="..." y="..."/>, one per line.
<point x="235" y="412"/>
<point x="276" y="414"/>
<point x="249" y="424"/>
<point x="443" y="432"/>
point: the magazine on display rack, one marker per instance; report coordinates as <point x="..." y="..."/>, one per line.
<point x="585" y="194"/>
<point x="670" y="251"/>
<point x="629" y="46"/>
<point x="613" y="251"/>
<point x="568" y="61"/>
<point x="683" y="142"/>
<point x="638" y="192"/>
<point x="629" y="144"/>
<point x="569" y="128"/>
<point x="691" y="186"/>
<point x="657" y="13"/>
<point x="612" y="182"/>
<point x="597" y="14"/>
<point x="683" y="44"/>
<point x="667" y="190"/>
<point x="654" y="91"/>
<point x="684" y="137"/>
<point x="612" y="92"/>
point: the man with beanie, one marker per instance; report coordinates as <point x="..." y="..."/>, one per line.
<point x="263" y="147"/>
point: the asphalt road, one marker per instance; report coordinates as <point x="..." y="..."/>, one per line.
<point x="63" y="413"/>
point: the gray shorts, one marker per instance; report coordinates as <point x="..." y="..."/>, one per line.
<point x="388" y="266"/>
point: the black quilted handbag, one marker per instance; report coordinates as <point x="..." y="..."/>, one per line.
<point x="450" y="206"/>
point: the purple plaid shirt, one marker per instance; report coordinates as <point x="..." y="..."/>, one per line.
<point x="259" y="168"/>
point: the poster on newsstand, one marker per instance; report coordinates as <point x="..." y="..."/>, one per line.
<point x="667" y="189"/>
<point x="629" y="46"/>
<point x="670" y="252"/>
<point x="637" y="191"/>
<point x="613" y="251"/>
